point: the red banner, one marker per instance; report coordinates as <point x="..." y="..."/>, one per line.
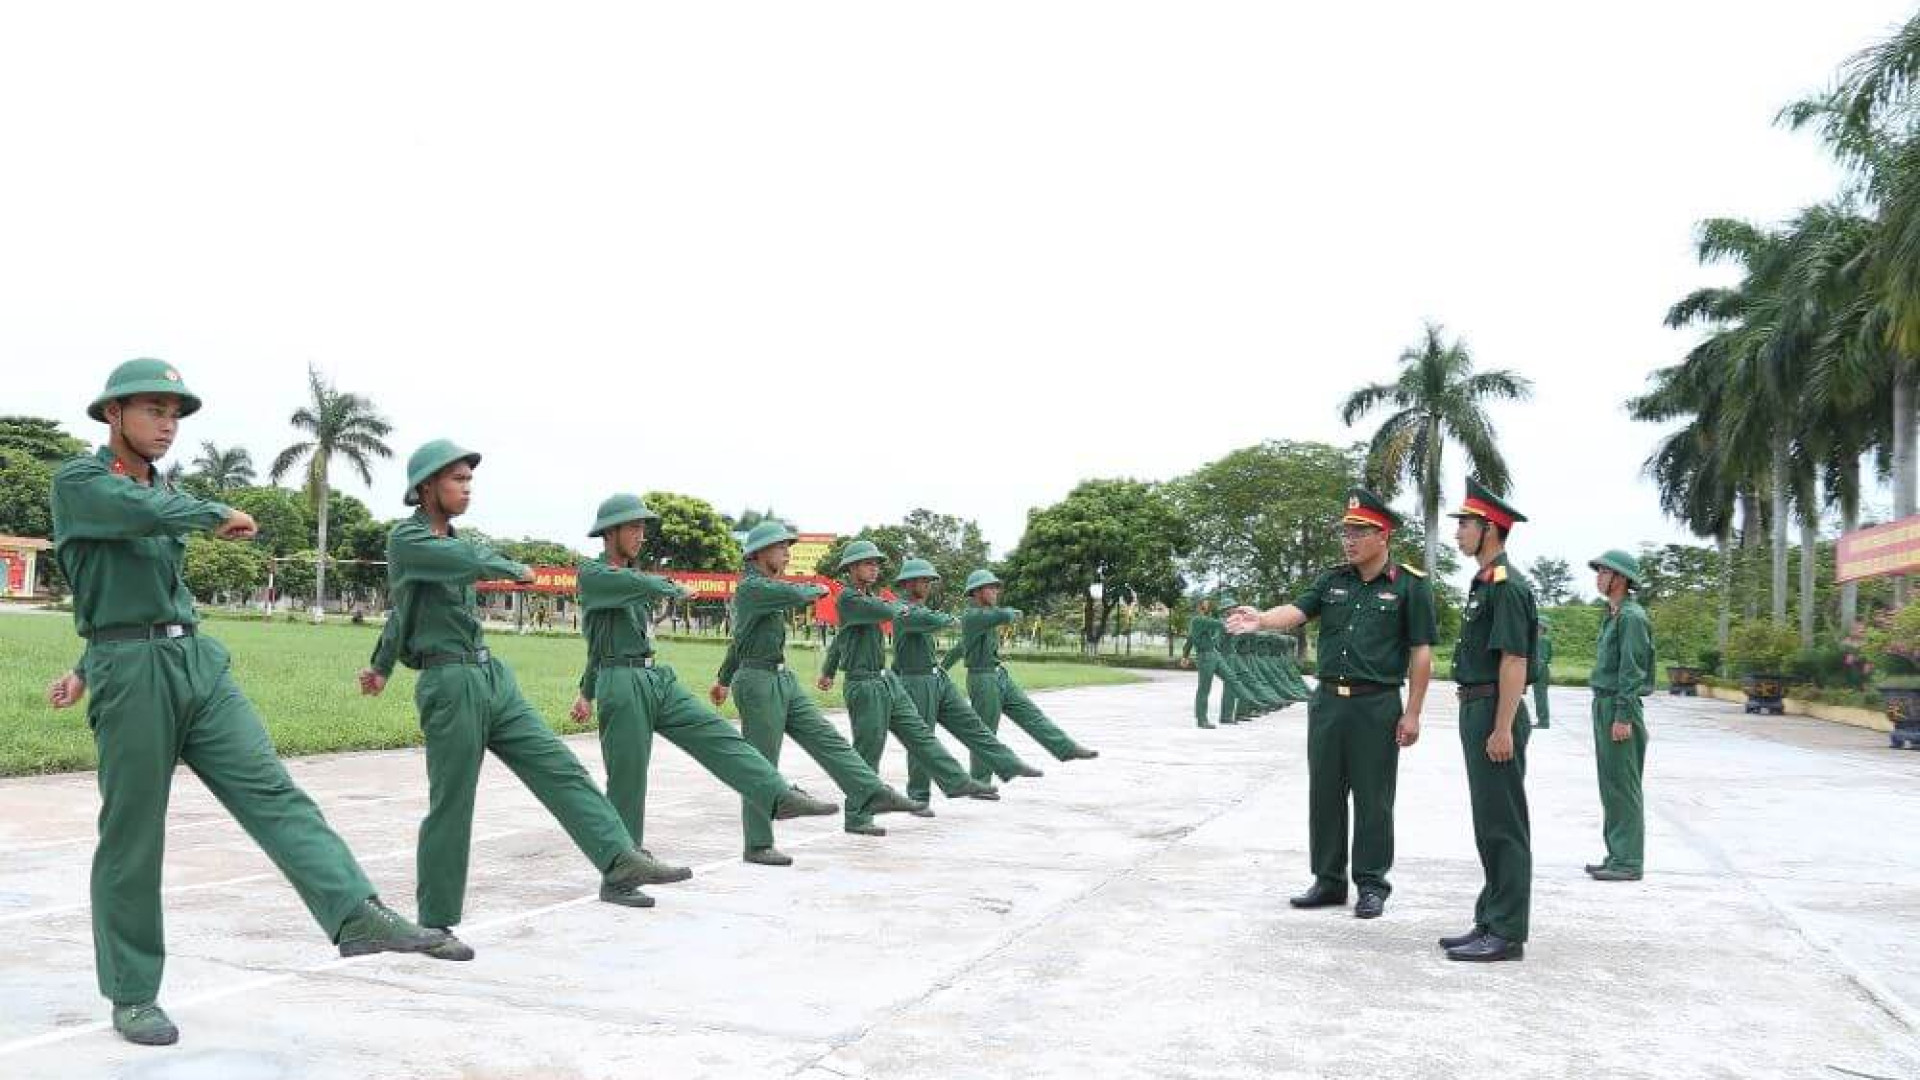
<point x="1893" y="548"/>
<point x="706" y="585"/>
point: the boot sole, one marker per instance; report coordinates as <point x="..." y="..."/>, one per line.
<point x="626" y="899"/>
<point x="150" y="1040"/>
<point x="823" y="810"/>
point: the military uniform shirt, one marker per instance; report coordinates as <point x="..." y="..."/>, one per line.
<point x="1500" y="619"/>
<point x="1368" y="628"/>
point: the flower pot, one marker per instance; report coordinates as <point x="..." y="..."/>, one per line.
<point x="1766" y="694"/>
<point x="1903" y="708"/>
<point x="1683" y="681"/>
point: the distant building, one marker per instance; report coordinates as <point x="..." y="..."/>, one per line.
<point x="20" y="566"/>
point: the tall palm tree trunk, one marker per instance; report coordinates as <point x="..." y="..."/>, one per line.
<point x="1904" y="475"/>
<point x="1850" y="592"/>
<point x="1809" y="555"/>
<point x="1724" y="626"/>
<point x="1749" y="544"/>
<point x="1779" y="532"/>
<point x="320" y="560"/>
<point x="1430" y="497"/>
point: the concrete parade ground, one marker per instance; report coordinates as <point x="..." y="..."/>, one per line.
<point x="1124" y="917"/>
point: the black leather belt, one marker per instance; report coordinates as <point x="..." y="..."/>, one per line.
<point x="1477" y="691"/>
<point x="865" y="676"/>
<point x="445" y="659"/>
<point x="764" y="665"/>
<point x="156" y="632"/>
<point x="627" y="661"/>
<point x="1356" y="687"/>
<point x="990" y="667"/>
<point x="903" y="672"/>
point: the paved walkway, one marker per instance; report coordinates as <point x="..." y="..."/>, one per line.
<point x="1124" y="917"/>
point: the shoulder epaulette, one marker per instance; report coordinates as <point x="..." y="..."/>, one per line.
<point x="1499" y="575"/>
<point x="1414" y="570"/>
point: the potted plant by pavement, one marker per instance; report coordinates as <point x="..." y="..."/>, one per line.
<point x="1760" y="652"/>
<point x="1684" y="679"/>
<point x="1891" y="649"/>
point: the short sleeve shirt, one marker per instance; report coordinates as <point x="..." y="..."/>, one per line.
<point x="1500" y="620"/>
<point x="1367" y="628"/>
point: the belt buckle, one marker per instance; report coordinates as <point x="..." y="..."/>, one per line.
<point x="175" y="630"/>
<point x="1342" y="690"/>
<point x="484" y="656"/>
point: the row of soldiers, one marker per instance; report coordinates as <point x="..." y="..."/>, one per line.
<point x="162" y="694"/>
<point x="1377" y="631"/>
<point x="1257" y="671"/>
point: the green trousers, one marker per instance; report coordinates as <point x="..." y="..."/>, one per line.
<point x="772" y="707"/>
<point x="465" y="711"/>
<point x="994" y="694"/>
<point x="1240" y="697"/>
<point x="880" y="704"/>
<point x="1286" y="675"/>
<point x="155" y="704"/>
<point x="1621" y="765"/>
<point x="1352" y="751"/>
<point x="1501" y="830"/>
<point x="941" y="702"/>
<point x="1208" y="666"/>
<point x="1540" y="710"/>
<point x="634" y="704"/>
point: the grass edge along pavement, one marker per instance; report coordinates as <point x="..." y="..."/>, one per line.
<point x="301" y="677"/>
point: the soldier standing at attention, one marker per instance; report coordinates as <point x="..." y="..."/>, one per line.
<point x="1498" y="632"/>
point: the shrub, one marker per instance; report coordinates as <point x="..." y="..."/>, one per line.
<point x="1762" y="648"/>
<point x="1891" y="648"/>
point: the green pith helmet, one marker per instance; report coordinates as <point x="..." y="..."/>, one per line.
<point x="859" y="551"/>
<point x="915" y="570"/>
<point x="430" y="459"/>
<point x="765" y="535"/>
<point x="1620" y="563"/>
<point x="980" y="579"/>
<point x="143" y="377"/>
<point x="621" y="510"/>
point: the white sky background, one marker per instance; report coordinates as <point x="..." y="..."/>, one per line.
<point x="741" y="250"/>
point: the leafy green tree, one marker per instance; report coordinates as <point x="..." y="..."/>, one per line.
<point x="1108" y="543"/>
<point x="1552" y="580"/>
<point x="336" y="424"/>
<point x="218" y="569"/>
<point x="690" y="535"/>
<point x="296" y="575"/>
<point x="280" y="514"/>
<point x="1438" y="397"/>
<point x="38" y="438"/>
<point x="534" y="552"/>
<point x="1264" y="520"/>
<point x="26" y="486"/>
<point x="220" y="471"/>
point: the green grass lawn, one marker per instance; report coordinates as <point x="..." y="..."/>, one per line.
<point x="301" y="678"/>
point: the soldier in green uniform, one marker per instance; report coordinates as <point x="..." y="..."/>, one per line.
<point x="163" y="694"/>
<point x="637" y="696"/>
<point x="470" y="703"/>
<point x="1622" y="674"/>
<point x="773" y="704"/>
<point x="989" y="686"/>
<point x="1498" y="632"/>
<point x="938" y="700"/>
<point x="876" y="701"/>
<point x="1241" y="699"/>
<point x="1543" y="669"/>
<point x="1245" y="649"/>
<point x="1205" y="633"/>
<point x="1377" y="628"/>
<point x="1282" y="669"/>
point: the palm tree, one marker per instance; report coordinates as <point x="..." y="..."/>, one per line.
<point x="335" y="424"/>
<point x="223" y="470"/>
<point x="1689" y="467"/>
<point x="1437" y="397"/>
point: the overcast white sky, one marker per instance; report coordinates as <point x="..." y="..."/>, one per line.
<point x="766" y="253"/>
